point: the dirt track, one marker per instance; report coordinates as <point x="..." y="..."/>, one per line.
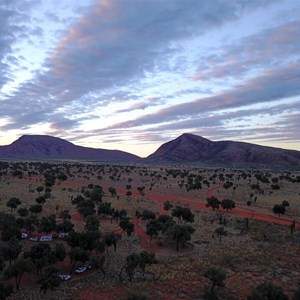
<point x="240" y="211"/>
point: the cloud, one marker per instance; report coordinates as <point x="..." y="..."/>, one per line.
<point x="7" y="38"/>
<point x="272" y="122"/>
<point x="113" y="43"/>
<point x="266" y="49"/>
<point x="141" y="105"/>
<point x="273" y="85"/>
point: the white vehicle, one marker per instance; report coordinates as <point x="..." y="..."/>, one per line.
<point x="62" y="235"/>
<point x="24" y="235"/>
<point x="46" y="238"/>
<point x="33" y="239"/>
<point x="64" y="277"/>
<point x="80" y="270"/>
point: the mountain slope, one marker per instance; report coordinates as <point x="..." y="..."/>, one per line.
<point x="48" y="147"/>
<point x="193" y="148"/>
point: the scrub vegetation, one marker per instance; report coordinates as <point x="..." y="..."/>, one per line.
<point x="148" y="232"/>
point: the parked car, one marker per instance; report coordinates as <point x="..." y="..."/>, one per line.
<point x="46" y="238"/>
<point x="24" y="235"/>
<point x="33" y="238"/>
<point x="62" y="235"/>
<point x="80" y="270"/>
<point x="64" y="277"/>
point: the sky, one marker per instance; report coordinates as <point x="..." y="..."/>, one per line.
<point x="134" y="74"/>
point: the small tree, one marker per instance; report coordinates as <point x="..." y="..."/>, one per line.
<point x="148" y="215"/>
<point x="130" y="228"/>
<point x="36" y="208"/>
<point x="180" y="233"/>
<point x="86" y="208"/>
<point x="153" y="228"/>
<point x="48" y="224"/>
<point x="41" y="255"/>
<point x="10" y="232"/>
<point x="183" y="213"/>
<point x="49" y="279"/>
<point x="98" y="263"/>
<point x="30" y="222"/>
<point x="111" y="240"/>
<point x="65" y="226"/>
<point x="23" y="212"/>
<point x="12" y="250"/>
<point x="227" y="204"/>
<point x="86" y="240"/>
<point x="112" y="191"/>
<point x="168" y="205"/>
<point x="41" y="200"/>
<point x="105" y="209"/>
<point x="187" y="215"/>
<point x="132" y="262"/>
<point x="146" y="258"/>
<point x="267" y="291"/>
<point x="60" y="251"/>
<point x="135" y="260"/>
<point x="39" y="189"/>
<point x="17" y="269"/>
<point x="165" y="221"/>
<point x="141" y="190"/>
<point x="92" y="223"/>
<point x="213" y="202"/>
<point x="13" y="203"/>
<point x="285" y="203"/>
<point x="279" y="209"/>
<point x="177" y="213"/>
<point x="126" y="225"/>
<point x="96" y="195"/>
<point x="220" y="231"/>
<point x="216" y="277"/>
<point x="78" y="254"/>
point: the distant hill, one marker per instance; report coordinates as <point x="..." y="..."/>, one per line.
<point x="48" y="147"/>
<point x="189" y="148"/>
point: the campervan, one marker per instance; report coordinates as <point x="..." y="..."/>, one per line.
<point x="46" y="238"/>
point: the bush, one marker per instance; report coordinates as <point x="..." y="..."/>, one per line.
<point x="267" y="291"/>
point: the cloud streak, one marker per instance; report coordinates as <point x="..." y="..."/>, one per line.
<point x="271" y="86"/>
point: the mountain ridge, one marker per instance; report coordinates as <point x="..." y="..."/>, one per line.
<point x="189" y="148"/>
<point x="49" y="147"/>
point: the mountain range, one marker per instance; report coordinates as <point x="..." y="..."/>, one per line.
<point x="48" y="147"/>
<point x="187" y="148"/>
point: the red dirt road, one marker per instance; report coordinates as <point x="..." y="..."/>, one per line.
<point x="240" y="211"/>
<point x="246" y="212"/>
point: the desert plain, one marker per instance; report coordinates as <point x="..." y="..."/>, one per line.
<point x="251" y="243"/>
